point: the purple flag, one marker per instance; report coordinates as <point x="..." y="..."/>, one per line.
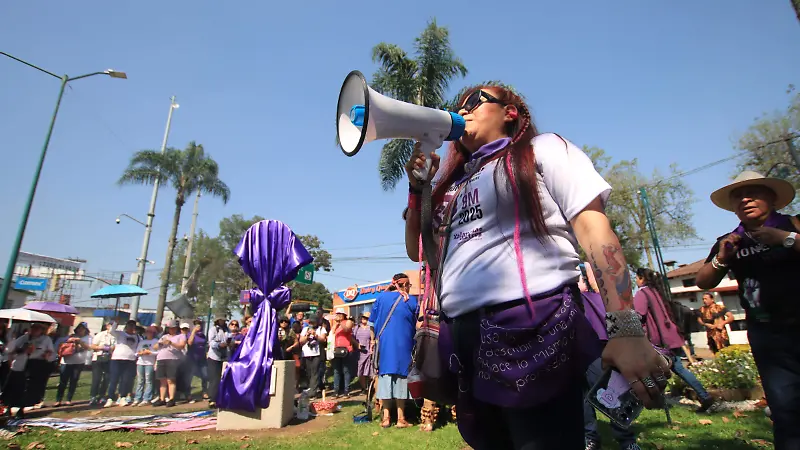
<point x="270" y="254"/>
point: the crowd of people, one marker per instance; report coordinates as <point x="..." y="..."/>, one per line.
<point x="521" y="332"/>
<point x="130" y="365"/>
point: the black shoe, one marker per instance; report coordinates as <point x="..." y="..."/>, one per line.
<point x="158" y="402"/>
<point x="705" y="405"/>
<point x="170" y="403"/>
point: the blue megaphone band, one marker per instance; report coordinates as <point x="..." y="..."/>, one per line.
<point x="357" y="115"/>
<point x="458" y="126"/>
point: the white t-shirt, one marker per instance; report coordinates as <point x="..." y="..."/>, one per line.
<point x="42" y="344"/>
<point x="125" y="347"/>
<point x="311" y="347"/>
<point x="79" y="357"/>
<point x="481" y="265"/>
<point x="147" y="360"/>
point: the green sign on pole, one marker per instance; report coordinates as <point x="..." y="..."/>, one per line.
<point x="305" y="275"/>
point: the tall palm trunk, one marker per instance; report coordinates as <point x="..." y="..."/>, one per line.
<point x="162" y="295"/>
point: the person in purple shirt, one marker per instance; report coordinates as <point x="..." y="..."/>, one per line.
<point x="197" y="355"/>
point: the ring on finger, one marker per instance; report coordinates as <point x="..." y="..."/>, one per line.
<point x="661" y="378"/>
<point x="631" y="383"/>
<point x="649" y="383"/>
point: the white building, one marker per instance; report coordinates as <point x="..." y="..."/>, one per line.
<point x="683" y="287"/>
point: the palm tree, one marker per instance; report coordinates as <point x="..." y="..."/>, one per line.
<point x="422" y="80"/>
<point x="188" y="171"/>
<point x="796" y="6"/>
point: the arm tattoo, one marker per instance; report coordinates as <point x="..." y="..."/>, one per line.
<point x="611" y="274"/>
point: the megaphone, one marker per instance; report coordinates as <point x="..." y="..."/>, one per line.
<point x="363" y="116"/>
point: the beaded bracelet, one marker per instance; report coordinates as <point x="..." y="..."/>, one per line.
<point x="624" y="323"/>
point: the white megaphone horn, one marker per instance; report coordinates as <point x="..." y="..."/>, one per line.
<point x="364" y="115"/>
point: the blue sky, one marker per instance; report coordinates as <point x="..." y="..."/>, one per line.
<point x="258" y="81"/>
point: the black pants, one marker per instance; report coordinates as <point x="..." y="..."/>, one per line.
<point x="70" y="373"/>
<point x="214" y="377"/>
<point x="312" y="366"/>
<point x="777" y="357"/>
<point x="101" y="376"/>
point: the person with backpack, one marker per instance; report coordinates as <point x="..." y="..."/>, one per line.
<point x="662" y="331"/>
<point x="73" y="358"/>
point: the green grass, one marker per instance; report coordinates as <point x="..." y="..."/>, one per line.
<point x="340" y="432"/>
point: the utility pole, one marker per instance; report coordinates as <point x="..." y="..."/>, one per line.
<point x="210" y="306"/>
<point x="116" y="307"/>
<point x="651" y="226"/>
<point x="148" y="228"/>
<point x="189" y="245"/>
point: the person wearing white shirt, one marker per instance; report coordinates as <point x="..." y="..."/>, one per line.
<point x="512" y="205"/>
<point x="73" y="357"/>
<point x="31" y="357"/>
<point x="145" y="367"/>
<point x="102" y="344"/>
<point x="123" y="364"/>
<point x="313" y="338"/>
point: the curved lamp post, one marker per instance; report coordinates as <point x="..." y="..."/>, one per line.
<point x="23" y="223"/>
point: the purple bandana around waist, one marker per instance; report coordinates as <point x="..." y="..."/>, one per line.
<point x="522" y="362"/>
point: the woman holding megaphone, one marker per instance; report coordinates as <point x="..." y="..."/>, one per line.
<point x="510" y="206"/>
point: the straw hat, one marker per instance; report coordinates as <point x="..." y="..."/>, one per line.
<point x="784" y="191"/>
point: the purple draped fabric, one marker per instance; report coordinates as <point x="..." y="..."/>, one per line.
<point x="271" y="255"/>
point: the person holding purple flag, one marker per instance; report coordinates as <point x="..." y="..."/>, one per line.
<point x="271" y="255"/>
<point x="511" y="205"/>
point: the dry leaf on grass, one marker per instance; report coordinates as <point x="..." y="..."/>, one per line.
<point x="375" y="433"/>
<point x="13" y="446"/>
<point x="680" y="435"/>
<point x="761" y="443"/>
<point x="244" y="438"/>
<point x="676" y="428"/>
<point x="33" y="445"/>
<point x="192" y="441"/>
<point x="245" y="446"/>
<point x="705" y="422"/>
<point x="725" y="419"/>
<point x="123" y="445"/>
<point x="739" y="414"/>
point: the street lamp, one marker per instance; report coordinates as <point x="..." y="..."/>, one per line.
<point x="132" y="218"/>
<point x="148" y="227"/>
<point x="23" y="223"/>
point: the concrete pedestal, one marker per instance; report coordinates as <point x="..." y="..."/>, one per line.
<point x="281" y="404"/>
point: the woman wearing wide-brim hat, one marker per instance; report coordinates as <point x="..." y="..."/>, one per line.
<point x="763" y="252"/>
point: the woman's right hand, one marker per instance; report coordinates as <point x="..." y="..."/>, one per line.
<point x="728" y="247"/>
<point x="417" y="161"/>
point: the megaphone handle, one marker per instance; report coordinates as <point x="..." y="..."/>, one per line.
<point x="427" y="148"/>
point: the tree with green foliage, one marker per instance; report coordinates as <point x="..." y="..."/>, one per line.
<point x="765" y="145"/>
<point x="422" y="80"/>
<point x="670" y="201"/>
<point x="187" y="171"/>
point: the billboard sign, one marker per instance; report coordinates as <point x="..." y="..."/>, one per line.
<point x="30" y="284"/>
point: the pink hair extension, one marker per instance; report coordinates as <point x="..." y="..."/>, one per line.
<point x="517" y="241"/>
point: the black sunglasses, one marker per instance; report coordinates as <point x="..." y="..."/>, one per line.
<point x="474" y="100"/>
